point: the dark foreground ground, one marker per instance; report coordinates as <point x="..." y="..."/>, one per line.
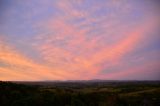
<point x="80" y="93"/>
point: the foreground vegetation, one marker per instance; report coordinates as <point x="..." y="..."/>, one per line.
<point x="80" y="94"/>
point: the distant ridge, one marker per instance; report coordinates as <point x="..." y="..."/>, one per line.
<point x="92" y="80"/>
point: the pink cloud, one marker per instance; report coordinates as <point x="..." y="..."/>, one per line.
<point x="71" y="49"/>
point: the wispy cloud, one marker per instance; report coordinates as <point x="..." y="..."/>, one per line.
<point x="78" y="39"/>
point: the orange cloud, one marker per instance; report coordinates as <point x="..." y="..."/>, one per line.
<point x="19" y="65"/>
<point x="72" y="49"/>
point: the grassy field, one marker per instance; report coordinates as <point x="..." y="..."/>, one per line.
<point x="80" y="93"/>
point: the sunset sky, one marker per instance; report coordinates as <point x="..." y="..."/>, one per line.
<point x="79" y="40"/>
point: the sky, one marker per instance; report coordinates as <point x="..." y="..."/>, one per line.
<point x="79" y="40"/>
